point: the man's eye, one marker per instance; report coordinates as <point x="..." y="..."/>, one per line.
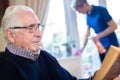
<point x="31" y="27"/>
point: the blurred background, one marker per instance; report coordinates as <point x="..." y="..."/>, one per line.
<point x="65" y="29"/>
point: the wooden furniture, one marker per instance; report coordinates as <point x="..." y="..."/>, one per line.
<point x="110" y="67"/>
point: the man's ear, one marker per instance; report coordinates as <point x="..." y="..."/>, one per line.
<point x="10" y="35"/>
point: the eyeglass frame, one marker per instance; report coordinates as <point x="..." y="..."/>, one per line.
<point x="32" y="28"/>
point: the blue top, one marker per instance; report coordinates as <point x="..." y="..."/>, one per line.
<point x="46" y="67"/>
<point x="98" y="19"/>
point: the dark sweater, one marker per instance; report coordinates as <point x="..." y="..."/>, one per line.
<point x="46" y="67"/>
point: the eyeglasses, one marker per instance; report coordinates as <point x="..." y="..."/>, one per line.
<point x="32" y="28"/>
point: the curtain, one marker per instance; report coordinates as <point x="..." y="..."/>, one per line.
<point x="39" y="6"/>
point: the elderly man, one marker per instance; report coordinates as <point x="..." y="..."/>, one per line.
<point x="23" y="59"/>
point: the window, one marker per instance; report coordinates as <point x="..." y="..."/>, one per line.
<point x="55" y="36"/>
<point x="55" y="31"/>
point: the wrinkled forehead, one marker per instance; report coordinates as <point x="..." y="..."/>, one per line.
<point x="27" y="17"/>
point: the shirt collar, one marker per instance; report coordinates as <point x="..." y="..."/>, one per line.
<point x="23" y="52"/>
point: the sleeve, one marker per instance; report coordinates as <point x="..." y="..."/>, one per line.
<point x="105" y="15"/>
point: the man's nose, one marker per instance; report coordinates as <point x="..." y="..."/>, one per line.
<point x="38" y="32"/>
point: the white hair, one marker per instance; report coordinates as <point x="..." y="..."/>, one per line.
<point x="10" y="16"/>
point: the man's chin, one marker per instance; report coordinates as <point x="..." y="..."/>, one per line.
<point x="35" y="49"/>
